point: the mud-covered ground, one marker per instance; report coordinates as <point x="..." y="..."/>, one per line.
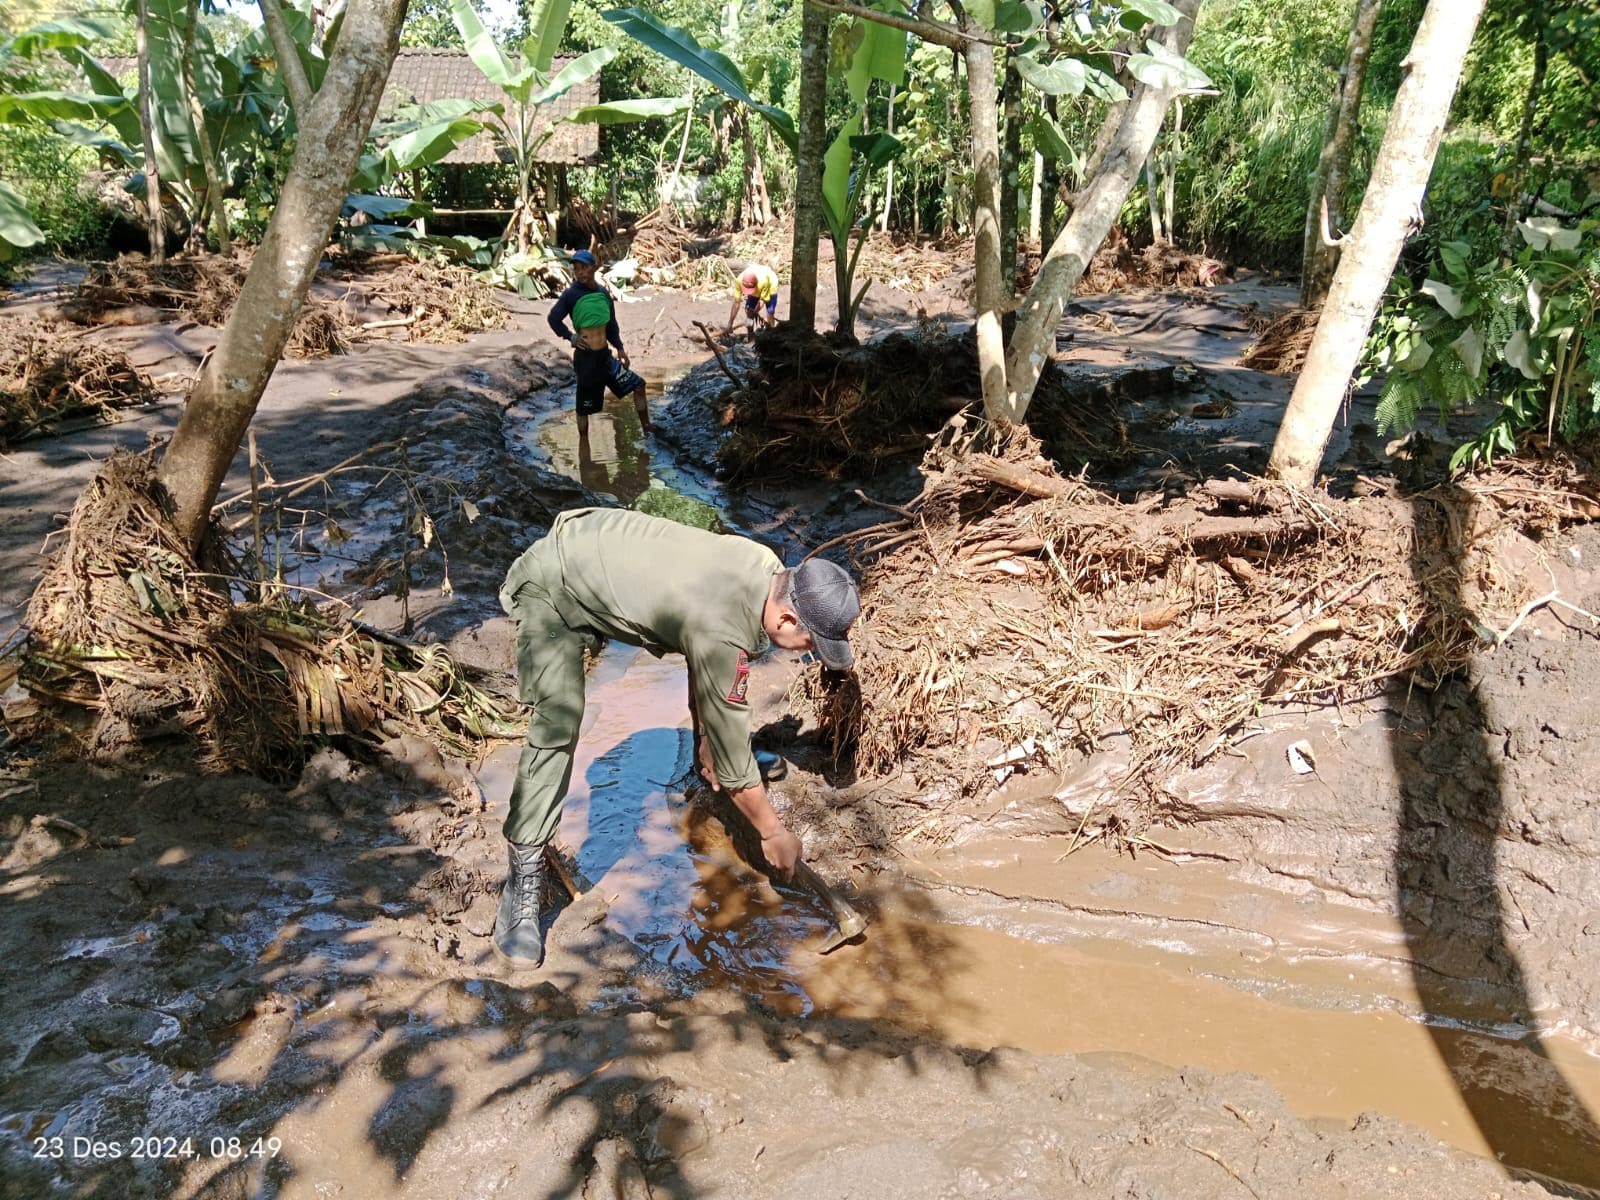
<point x="217" y="986"/>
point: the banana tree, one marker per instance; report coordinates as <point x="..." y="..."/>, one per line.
<point x="212" y="114"/>
<point x="528" y="87"/>
<point x="875" y="52"/>
<point x="24" y="101"/>
<point x="645" y="108"/>
<point x="18" y="230"/>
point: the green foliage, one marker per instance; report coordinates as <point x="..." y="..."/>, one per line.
<point x="428" y="23"/>
<point x="721" y="72"/>
<point x="1244" y="176"/>
<point x="1519" y="334"/>
<point x="1245" y="172"/>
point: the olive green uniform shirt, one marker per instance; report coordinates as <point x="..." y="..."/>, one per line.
<point x="669" y="588"/>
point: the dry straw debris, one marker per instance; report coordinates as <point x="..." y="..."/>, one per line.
<point x="127" y="626"/>
<point x="1282" y="345"/>
<point x="48" y="375"/>
<point x="1013" y="618"/>
<point x="433" y="301"/>
<point x="423" y="301"/>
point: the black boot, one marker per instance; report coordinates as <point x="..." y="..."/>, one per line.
<point x="517" y="933"/>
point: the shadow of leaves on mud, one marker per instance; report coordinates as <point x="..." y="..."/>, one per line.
<point x="311" y="965"/>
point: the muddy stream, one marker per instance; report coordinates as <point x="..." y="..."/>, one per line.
<point x="1002" y="941"/>
<point x="309" y="963"/>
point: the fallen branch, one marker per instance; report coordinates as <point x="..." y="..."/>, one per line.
<point x="1019" y="479"/>
<point x="710" y="340"/>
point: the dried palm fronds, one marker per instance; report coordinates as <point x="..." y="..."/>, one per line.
<point x="126" y="625"/>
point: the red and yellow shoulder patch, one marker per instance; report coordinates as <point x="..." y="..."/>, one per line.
<point x="741" y="679"/>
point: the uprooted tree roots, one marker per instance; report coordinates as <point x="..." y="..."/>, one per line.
<point x="47" y="377"/>
<point x="1015" y="618"/>
<point x="1282" y="346"/>
<point x="126" y="626"/>
<point x="816" y="407"/>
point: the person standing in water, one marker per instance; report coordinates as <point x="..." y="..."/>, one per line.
<point x="592" y="308"/>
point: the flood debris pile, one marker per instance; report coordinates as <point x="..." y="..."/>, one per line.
<point x="894" y="259"/>
<point x="1160" y="627"/>
<point x="1117" y="266"/>
<point x="823" y="408"/>
<point x="127" y="630"/>
<point x="131" y="290"/>
<point x="1281" y="347"/>
<point x="48" y="376"/>
<point x="425" y="301"/>
<point x="432" y="301"/>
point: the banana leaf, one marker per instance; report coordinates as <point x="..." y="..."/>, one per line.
<point x="623" y="112"/>
<point x="17" y="229"/>
<point x="715" y="68"/>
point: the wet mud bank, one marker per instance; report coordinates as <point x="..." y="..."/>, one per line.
<point x="299" y="979"/>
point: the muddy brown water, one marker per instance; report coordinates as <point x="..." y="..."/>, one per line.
<point x="1010" y="943"/>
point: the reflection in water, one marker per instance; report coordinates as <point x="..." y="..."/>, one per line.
<point x="615" y="460"/>
<point x="612" y="458"/>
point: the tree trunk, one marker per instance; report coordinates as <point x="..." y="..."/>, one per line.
<point x="1519" y="166"/>
<point x="333" y="127"/>
<point x="755" y="174"/>
<point x="669" y="193"/>
<point x="1331" y="180"/>
<point x="813" y="133"/>
<point x="1010" y="164"/>
<point x="1094" y="209"/>
<point x="152" y="170"/>
<point x="888" y="171"/>
<point x="1035" y="196"/>
<point x="1169" y="181"/>
<point x="948" y="190"/>
<point x="745" y="208"/>
<point x="986" y="222"/>
<point x="1392" y="203"/>
<point x="208" y="153"/>
<point x="1049" y="190"/>
<point x="1151" y="191"/>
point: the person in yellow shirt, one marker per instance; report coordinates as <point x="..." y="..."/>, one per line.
<point x="757" y="286"/>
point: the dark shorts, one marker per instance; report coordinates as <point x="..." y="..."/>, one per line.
<point x="598" y="370"/>
<point x="751" y="303"/>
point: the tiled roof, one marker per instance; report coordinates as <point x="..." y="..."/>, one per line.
<point x="422" y="74"/>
